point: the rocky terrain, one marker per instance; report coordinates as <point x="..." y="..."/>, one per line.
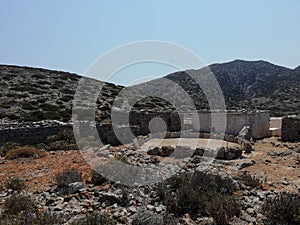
<point x="270" y="168"/>
<point x="229" y="184"/>
<point x="245" y="85"/>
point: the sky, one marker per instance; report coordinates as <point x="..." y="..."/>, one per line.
<point x="70" y="35"/>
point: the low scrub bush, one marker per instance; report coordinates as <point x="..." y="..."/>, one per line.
<point x="94" y="219"/>
<point x="67" y="177"/>
<point x="65" y="140"/>
<point x="199" y="193"/>
<point x="25" y="152"/>
<point x="7" y="147"/>
<point x="17" y="203"/>
<point x="27" y="218"/>
<point x="282" y="209"/>
<point x="97" y="179"/>
<point x="223" y="207"/>
<point x="249" y="180"/>
<point x="15" y="184"/>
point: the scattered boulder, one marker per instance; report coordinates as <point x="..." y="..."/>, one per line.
<point x="163" y="151"/>
<point x="166" y="151"/>
<point x="75" y="187"/>
<point x="228" y="153"/>
<point x="153" y="150"/>
<point x="109" y="198"/>
<point x="198" y="152"/>
<point x="245" y="163"/>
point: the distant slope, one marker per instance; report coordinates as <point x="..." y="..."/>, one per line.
<point x="33" y="94"/>
<point x="245" y="85"/>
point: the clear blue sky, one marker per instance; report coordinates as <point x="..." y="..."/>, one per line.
<point x="70" y="34"/>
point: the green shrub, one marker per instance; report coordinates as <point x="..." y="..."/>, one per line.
<point x="199" y="193"/>
<point x="3" y="115"/>
<point x="52" y="115"/>
<point x="17" y="203"/>
<point x="97" y="179"/>
<point x="249" y="180"/>
<point x="15" y="184"/>
<point x="66" y="98"/>
<point x="7" y="147"/>
<point x="94" y="219"/>
<point x="25" y="152"/>
<point x="65" y="140"/>
<point x="68" y="91"/>
<point x="48" y="107"/>
<point x="67" y="177"/>
<point x="283" y="209"/>
<point x="33" y="116"/>
<point x="223" y="207"/>
<point x="7" y="104"/>
<point x="13" y="117"/>
<point x="36" y="91"/>
<point x="28" y="106"/>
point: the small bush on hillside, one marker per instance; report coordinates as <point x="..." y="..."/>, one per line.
<point x="283" y="209"/>
<point x="97" y="179"/>
<point x="67" y="177"/>
<point x="17" y="203"/>
<point x="27" y="218"/>
<point x="66" y="98"/>
<point x="222" y="208"/>
<point x="94" y="219"/>
<point x="15" y="184"/>
<point x="25" y="152"/>
<point x="249" y="180"/>
<point x="65" y="140"/>
<point x="199" y="193"/>
<point x="7" y="147"/>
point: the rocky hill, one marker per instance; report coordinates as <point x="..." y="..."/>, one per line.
<point x="33" y="94"/>
<point x="245" y="85"/>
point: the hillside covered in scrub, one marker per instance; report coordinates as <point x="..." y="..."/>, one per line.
<point x="33" y="94"/>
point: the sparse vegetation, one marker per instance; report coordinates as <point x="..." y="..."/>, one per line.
<point x="25" y="152"/>
<point x="282" y="209"/>
<point x="15" y="184"/>
<point x="196" y="193"/>
<point x="67" y="177"/>
<point x="97" y="179"/>
<point x="94" y="219"/>
<point x="7" y="147"/>
<point x="27" y="218"/>
<point x="249" y="180"/>
<point x="62" y="141"/>
<point x="18" y="203"/>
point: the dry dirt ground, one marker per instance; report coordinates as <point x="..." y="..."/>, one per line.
<point x="282" y="172"/>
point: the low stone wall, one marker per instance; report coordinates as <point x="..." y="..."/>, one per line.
<point x="32" y="135"/>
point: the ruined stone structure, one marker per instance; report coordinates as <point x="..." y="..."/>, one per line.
<point x="258" y="122"/>
<point x="290" y="129"/>
<point x="138" y="123"/>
